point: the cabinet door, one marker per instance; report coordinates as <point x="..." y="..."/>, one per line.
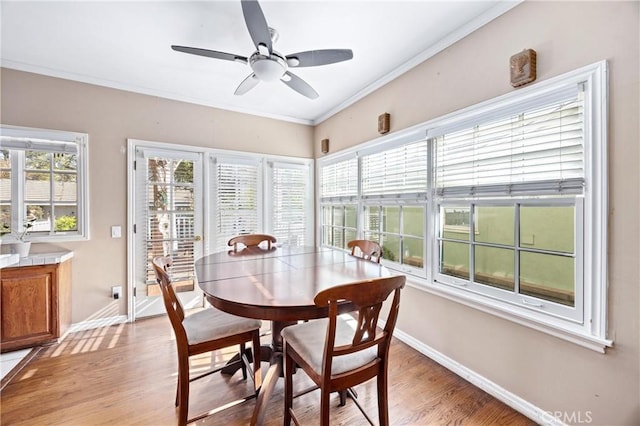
<point x="27" y="301"/>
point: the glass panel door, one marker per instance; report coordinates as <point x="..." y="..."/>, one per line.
<point x="168" y="223"/>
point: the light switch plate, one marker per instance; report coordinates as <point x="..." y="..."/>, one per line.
<point x="116" y="232"/>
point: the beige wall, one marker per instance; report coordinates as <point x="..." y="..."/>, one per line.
<point x="550" y="373"/>
<point x="110" y="117"/>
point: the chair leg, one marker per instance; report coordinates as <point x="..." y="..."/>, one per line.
<point x="244" y="367"/>
<point x="257" y="373"/>
<point x="288" y="388"/>
<point x="183" y="388"/>
<point x="178" y="389"/>
<point x="324" y="407"/>
<point x="383" y="400"/>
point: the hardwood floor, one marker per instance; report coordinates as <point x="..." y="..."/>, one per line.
<point x="126" y="375"/>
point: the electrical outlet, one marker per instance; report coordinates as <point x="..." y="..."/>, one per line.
<point x="116" y="292"/>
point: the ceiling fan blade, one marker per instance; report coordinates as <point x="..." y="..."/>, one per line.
<point x="314" y="58"/>
<point x="247" y="84"/>
<point x="210" y="53"/>
<point x="299" y="85"/>
<point x="256" y="24"/>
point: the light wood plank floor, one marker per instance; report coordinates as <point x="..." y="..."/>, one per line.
<point x="126" y="375"/>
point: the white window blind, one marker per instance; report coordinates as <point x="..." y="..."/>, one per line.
<point x="540" y="150"/>
<point x="236" y="200"/>
<point x="401" y="170"/>
<point x="289" y="194"/>
<point x="339" y="179"/>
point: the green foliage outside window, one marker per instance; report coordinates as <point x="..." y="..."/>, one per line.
<point x="66" y="223"/>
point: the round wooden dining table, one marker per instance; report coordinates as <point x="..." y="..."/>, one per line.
<point x="277" y="285"/>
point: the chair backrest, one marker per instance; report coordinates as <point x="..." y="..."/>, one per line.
<point x="367" y="298"/>
<point x="251" y="240"/>
<point x="369" y="250"/>
<point x="174" y="308"/>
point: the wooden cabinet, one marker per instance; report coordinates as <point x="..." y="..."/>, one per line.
<point x="35" y="305"/>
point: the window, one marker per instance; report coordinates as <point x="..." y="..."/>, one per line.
<point x="502" y="206"/>
<point x="43" y="179"/>
<point x="291" y="204"/>
<point x="394" y="193"/>
<point x="521" y="251"/>
<point x="237" y="183"/>
<point x="256" y="194"/>
<point x="339" y="190"/>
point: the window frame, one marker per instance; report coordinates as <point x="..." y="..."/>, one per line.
<point x="591" y="332"/>
<point x="81" y="140"/>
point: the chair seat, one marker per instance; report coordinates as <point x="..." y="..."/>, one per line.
<point x="213" y="324"/>
<point x="308" y="340"/>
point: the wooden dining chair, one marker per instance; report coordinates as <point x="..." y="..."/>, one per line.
<point x="251" y="240"/>
<point x="205" y="331"/>
<point x="369" y="250"/>
<point x="340" y="352"/>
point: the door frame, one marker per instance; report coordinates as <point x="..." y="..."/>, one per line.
<point x="132" y="262"/>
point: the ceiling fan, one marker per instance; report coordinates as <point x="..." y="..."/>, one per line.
<point x="266" y="63"/>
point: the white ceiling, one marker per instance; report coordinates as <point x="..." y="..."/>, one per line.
<point x="126" y="45"/>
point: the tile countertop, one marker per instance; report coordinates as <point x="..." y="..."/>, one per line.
<point x="43" y="259"/>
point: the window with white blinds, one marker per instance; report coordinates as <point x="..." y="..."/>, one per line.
<point x="290" y="186"/>
<point x="237" y="197"/>
<point x="43" y="180"/>
<point x="536" y="151"/>
<point x="502" y="205"/>
<point x="339" y="179"/>
<point x="401" y="170"/>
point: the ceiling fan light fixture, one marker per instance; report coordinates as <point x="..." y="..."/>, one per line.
<point x="268" y="68"/>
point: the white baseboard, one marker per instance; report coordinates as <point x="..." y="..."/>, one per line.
<point x="533" y="412"/>
<point x="96" y="323"/>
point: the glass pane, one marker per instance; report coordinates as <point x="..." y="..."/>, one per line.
<point x="391" y="247"/>
<point x="37" y="187"/>
<point x="338" y="216"/>
<point x="66" y="219"/>
<point x="65" y="187"/>
<point x="326" y="236"/>
<point x="413" y="221"/>
<point x="338" y="237"/>
<point x="547" y="228"/>
<point x="326" y="215"/>
<point x="454" y="259"/>
<point x="391" y="219"/>
<point x="158" y="197"/>
<point x="5" y="219"/>
<point x="349" y="234"/>
<point x="183" y="171"/>
<point x="373" y="236"/>
<point x="454" y="223"/>
<point x="548" y="277"/>
<point x="183" y="226"/>
<point x="412" y="251"/>
<point x="494" y="224"/>
<point x="183" y="198"/>
<point x="37" y="160"/>
<point x="350" y="216"/>
<point x="63" y="161"/>
<point x="5" y="192"/>
<point x="494" y="267"/>
<point x="42" y="215"/>
<point x="158" y="170"/>
<point x="371" y="218"/>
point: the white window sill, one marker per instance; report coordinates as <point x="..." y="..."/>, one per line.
<point x="565" y="330"/>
